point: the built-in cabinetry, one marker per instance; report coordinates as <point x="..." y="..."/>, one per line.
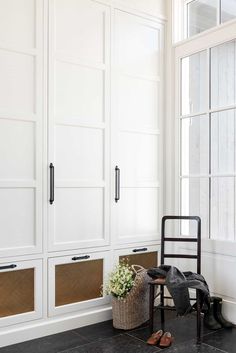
<point x="146" y="256"/>
<point x="21" y="118"/>
<point x="20" y="291"/>
<point x="80" y="152"/>
<point x="77" y="281"/>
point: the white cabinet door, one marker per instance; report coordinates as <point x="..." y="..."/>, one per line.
<point x="136" y="127"/>
<point x="20" y="292"/>
<point x="78" y="123"/>
<point x="21" y="115"/>
<point x="75" y="282"/>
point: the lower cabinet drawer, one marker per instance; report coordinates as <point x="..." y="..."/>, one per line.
<point x="146" y="256"/>
<point x="20" y="292"/>
<point x="76" y="282"/>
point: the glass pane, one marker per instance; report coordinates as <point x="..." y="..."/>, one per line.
<point x="78" y="282"/>
<point x="222" y="208"/>
<point x="223" y="75"/>
<point x="202" y="15"/>
<point x="228" y="10"/>
<point x="195" y="202"/>
<point x="223" y="142"/>
<point x="195" y="142"/>
<point x="16" y="292"/>
<point x="194" y="83"/>
<point x="146" y="260"/>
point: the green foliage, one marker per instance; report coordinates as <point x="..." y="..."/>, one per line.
<point x="120" y="281"/>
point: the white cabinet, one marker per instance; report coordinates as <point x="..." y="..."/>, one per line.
<point x="80" y="88"/>
<point x="79" y="69"/>
<point x="81" y="137"/>
<point x="136" y="127"/>
<point x="75" y="282"/>
<point x="21" y="118"/>
<point x="20" y="292"/>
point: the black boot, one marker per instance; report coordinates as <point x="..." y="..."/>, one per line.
<point x="217" y="304"/>
<point x="209" y="319"/>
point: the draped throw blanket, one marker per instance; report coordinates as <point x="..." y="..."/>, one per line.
<point x="178" y="284"/>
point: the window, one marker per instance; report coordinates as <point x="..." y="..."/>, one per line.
<point x="208" y="140"/>
<point x="205" y="14"/>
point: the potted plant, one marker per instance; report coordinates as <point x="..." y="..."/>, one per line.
<point x="128" y="287"/>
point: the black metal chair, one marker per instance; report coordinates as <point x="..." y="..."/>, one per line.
<point x="153" y="284"/>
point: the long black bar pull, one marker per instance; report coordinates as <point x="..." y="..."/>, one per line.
<point x="76" y="258"/>
<point x="7" y="267"/>
<point x="140" y="250"/>
<point x="51" y="200"/>
<point x="117" y="184"/>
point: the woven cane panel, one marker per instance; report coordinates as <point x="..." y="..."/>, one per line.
<point x="16" y="292"/>
<point x="78" y="282"/>
<point x="146" y="260"/>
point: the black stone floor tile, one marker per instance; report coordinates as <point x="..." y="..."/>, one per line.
<point x="182" y="328"/>
<point x="117" y="344"/>
<point x="105" y="329"/>
<point x="224" y="339"/>
<point x="191" y="347"/>
<point x="50" y="344"/>
<point x="98" y="331"/>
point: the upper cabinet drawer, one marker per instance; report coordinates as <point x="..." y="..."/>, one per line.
<point x="20" y="291"/>
<point x="76" y="282"/>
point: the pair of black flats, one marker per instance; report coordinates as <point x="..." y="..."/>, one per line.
<point x="213" y="318"/>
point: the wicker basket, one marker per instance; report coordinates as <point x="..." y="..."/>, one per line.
<point x="133" y="311"/>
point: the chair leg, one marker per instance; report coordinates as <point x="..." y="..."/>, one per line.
<point x="151" y="307"/>
<point x="162" y="310"/>
<point x="199" y="338"/>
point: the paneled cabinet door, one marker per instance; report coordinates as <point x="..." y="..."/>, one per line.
<point x="78" y="123"/>
<point x="20" y="292"/>
<point x="75" y="282"/>
<point x="21" y="115"/>
<point x="136" y="128"/>
<point x="145" y="256"/>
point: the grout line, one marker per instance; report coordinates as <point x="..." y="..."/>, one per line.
<point x="217" y="349"/>
<point x="90" y="342"/>
<point x="139" y="339"/>
<point x="212" y="332"/>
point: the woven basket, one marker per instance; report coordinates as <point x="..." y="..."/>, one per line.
<point x="133" y="311"/>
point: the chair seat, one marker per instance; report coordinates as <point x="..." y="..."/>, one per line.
<point x="158" y="281"/>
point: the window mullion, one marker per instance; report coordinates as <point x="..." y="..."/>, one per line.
<point x="209" y="146"/>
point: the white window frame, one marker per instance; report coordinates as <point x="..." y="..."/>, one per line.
<point x="179" y="19"/>
<point x="185" y="3"/>
<point x="203" y="41"/>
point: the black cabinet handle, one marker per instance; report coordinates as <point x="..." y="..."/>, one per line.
<point x="139" y="250"/>
<point x="117" y="184"/>
<point x="51" y="200"/>
<point x="76" y="258"/>
<point x="7" y="267"/>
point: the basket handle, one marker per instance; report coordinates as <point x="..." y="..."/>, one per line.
<point x="137" y="268"/>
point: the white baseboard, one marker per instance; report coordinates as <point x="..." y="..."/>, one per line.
<point x="229" y="311"/>
<point x="40" y="328"/>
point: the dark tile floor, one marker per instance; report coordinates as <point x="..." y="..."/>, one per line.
<point x="103" y="338"/>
